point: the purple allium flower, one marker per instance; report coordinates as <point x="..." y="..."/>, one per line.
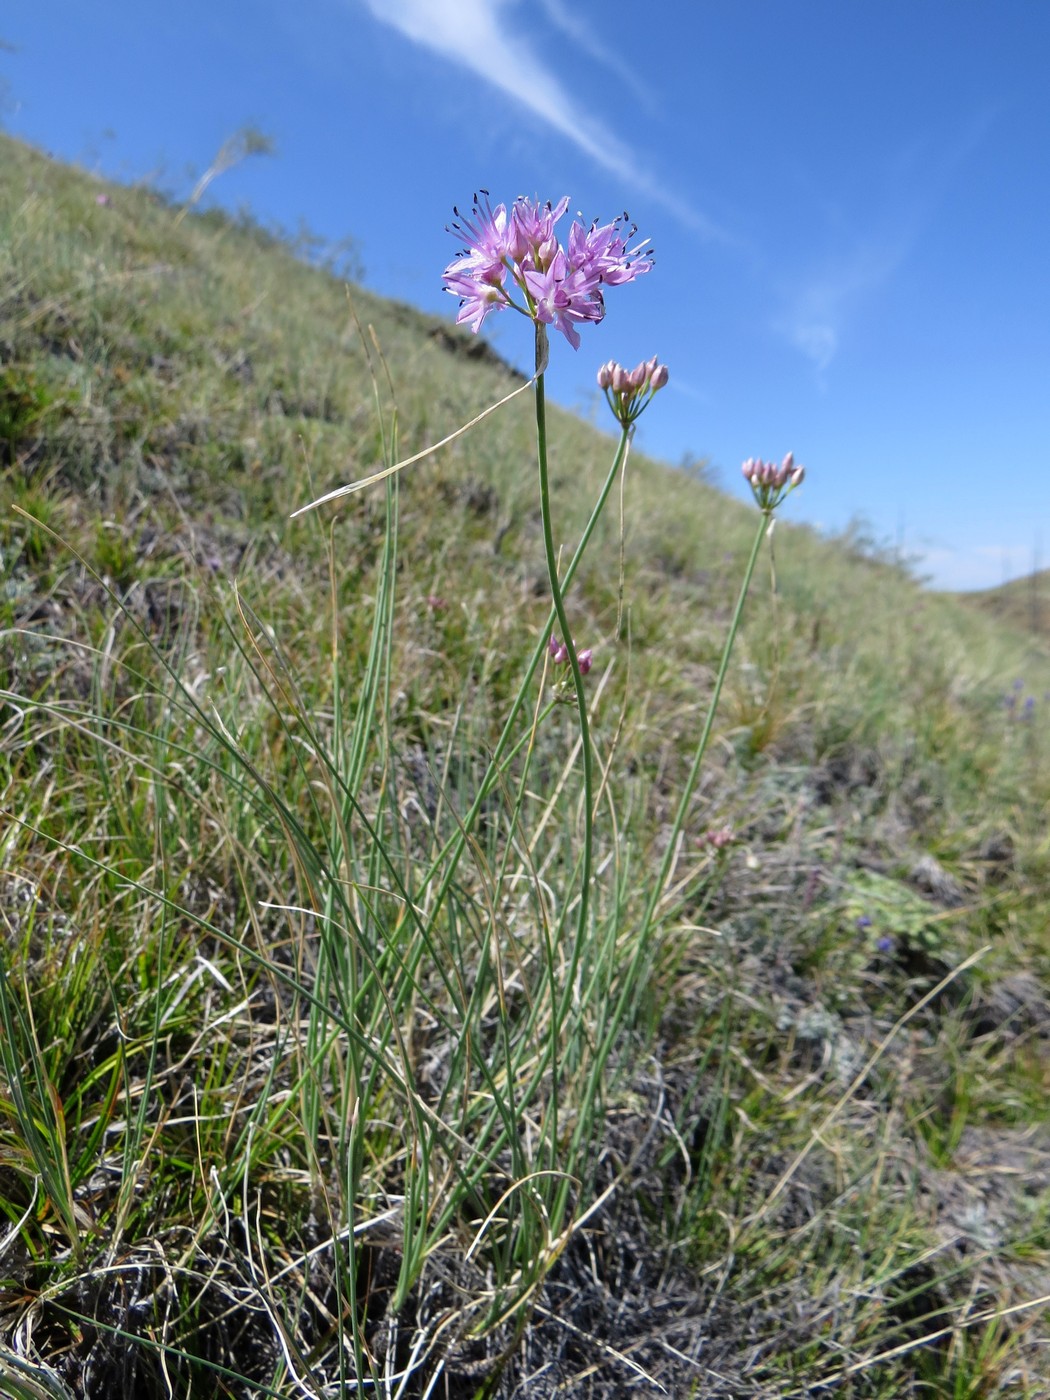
<point x="507" y="256"/>
<point x="630" y="391"/>
<point x="559" y="653"/>
<point x="770" y="483"/>
<point x="562" y="298"/>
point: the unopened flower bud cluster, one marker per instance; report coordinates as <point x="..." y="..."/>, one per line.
<point x="629" y="391"/>
<point x="560" y="654"/>
<point x="770" y="483"/>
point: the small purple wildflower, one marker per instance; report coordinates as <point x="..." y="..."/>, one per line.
<point x="559" y="653"/>
<point x="629" y="392"/>
<point x="863" y="922"/>
<point x="769" y="483"/>
<point x="102" y="200"/>
<point x="885" y="944"/>
<point x="518" y="252"/>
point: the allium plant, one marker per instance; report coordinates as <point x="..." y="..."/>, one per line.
<point x="513" y="257"/>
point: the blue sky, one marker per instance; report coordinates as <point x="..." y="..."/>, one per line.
<point x="849" y="202"/>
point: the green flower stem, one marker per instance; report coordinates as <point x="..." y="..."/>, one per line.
<point x="560" y="1004"/>
<point x="444" y="865"/>
<point x="577" y="676"/>
<point x="630" y="979"/>
<point x="456" y="844"/>
<point x="667" y="866"/>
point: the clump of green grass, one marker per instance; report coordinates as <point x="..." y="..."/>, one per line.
<point x="288" y="918"/>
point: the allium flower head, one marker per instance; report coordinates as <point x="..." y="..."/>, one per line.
<point x="770" y="483"/>
<point x="515" y="259"/>
<point x="629" y="392"/>
<point x="559" y="654"/>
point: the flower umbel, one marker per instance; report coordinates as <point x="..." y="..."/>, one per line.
<point x="770" y="483"/>
<point x="514" y="259"/>
<point x="629" y="392"/>
<point x="560" y="654"/>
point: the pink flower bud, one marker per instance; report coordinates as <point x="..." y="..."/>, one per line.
<point x="659" y="378"/>
<point x="584" y="658"/>
<point x="797" y="476"/>
<point x="605" y="375"/>
<point x="619" y="379"/>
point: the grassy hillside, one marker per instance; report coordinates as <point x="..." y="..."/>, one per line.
<point x="310" y="1084"/>
<point x="1023" y="604"/>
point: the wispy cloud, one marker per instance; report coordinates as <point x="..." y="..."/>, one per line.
<point x="476" y="35"/>
<point x="583" y="36"/>
<point x="817" y="307"/>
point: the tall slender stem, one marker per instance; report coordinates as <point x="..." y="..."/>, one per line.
<point x="577" y="675"/>
<point x="670" y="854"/>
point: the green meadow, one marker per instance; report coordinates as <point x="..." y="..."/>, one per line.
<point x="319" y="1074"/>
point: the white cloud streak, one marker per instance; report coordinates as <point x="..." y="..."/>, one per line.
<point x="818" y="307"/>
<point x="475" y="35"/>
<point x="582" y="35"/>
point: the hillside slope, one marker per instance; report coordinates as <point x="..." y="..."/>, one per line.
<point x="284" y="1108"/>
<point x="1023" y="605"/>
